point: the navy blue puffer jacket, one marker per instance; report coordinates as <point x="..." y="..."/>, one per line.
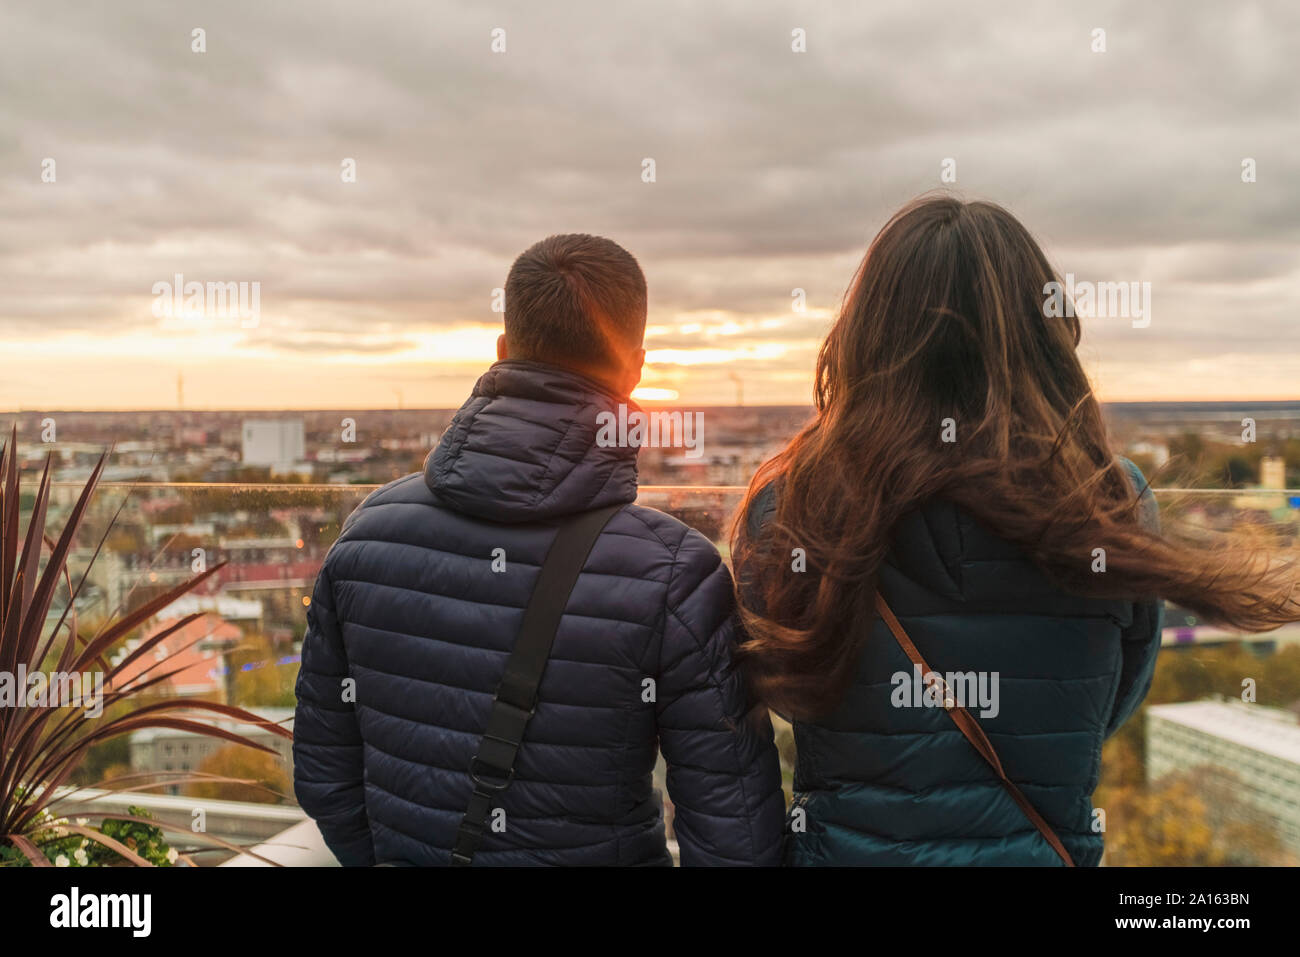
<point x="408" y="606"/>
<point x="879" y="784"/>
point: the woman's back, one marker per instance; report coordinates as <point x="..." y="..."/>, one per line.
<point x="887" y="779"/>
<point x="958" y="463"/>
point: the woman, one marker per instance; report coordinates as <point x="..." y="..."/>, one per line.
<point x="954" y="509"/>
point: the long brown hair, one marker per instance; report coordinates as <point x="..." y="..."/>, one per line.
<point x="945" y="320"/>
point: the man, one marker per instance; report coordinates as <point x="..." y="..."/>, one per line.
<point x="419" y="602"/>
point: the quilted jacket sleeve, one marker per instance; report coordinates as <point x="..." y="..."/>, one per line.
<point x="723" y="772"/>
<point x="1141" y="640"/>
<point x="327" y="753"/>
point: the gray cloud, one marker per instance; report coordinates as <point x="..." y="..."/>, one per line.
<point x="774" y="169"/>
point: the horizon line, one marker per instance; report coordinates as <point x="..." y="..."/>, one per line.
<point x="643" y="402"/>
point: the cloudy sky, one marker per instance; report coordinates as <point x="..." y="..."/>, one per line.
<point x="772" y="171"/>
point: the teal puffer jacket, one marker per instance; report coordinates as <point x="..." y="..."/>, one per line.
<point x="877" y="783"/>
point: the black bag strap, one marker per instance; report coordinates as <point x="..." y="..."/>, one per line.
<point x="493" y="767"/>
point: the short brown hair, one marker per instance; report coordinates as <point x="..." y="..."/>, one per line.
<point x="572" y="299"/>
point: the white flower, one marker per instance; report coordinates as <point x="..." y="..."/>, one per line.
<point x="83" y="821"/>
<point x="172" y="855"/>
<point x="81" y="857"/>
<point x="61" y="861"/>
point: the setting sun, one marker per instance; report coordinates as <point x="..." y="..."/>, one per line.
<point x="650" y="394"/>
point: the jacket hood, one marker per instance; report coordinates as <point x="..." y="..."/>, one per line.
<point x="523" y="447"/>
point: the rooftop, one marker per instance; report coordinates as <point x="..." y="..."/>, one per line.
<point x="1271" y="731"/>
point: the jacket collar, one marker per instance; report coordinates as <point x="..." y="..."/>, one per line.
<point x="524" y="447"/>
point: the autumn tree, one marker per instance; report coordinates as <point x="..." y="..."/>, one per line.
<point x="265" y="778"/>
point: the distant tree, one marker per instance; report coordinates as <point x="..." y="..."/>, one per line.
<point x="126" y="539"/>
<point x="254" y="474"/>
<point x="256" y="767"/>
<point x="1186" y="453"/>
<point x="1279" y="679"/>
<point x="119" y="770"/>
<point x="259" y="682"/>
<point x="182" y="513"/>
<point x="1122" y="761"/>
<point x="1239" y="471"/>
<point x="1189" y="819"/>
<point x="111" y="756"/>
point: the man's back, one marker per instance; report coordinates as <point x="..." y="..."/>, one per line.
<point x="419" y="603"/>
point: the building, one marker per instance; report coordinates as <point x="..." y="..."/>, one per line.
<point x="277" y="443"/>
<point x="1259" y="746"/>
<point x="155" y="750"/>
<point x="193" y="653"/>
<point x="226" y="607"/>
<point x="1272" y="478"/>
<point x="1157" y="451"/>
<point x="1272" y="472"/>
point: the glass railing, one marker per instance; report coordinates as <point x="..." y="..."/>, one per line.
<point x="1174" y="786"/>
